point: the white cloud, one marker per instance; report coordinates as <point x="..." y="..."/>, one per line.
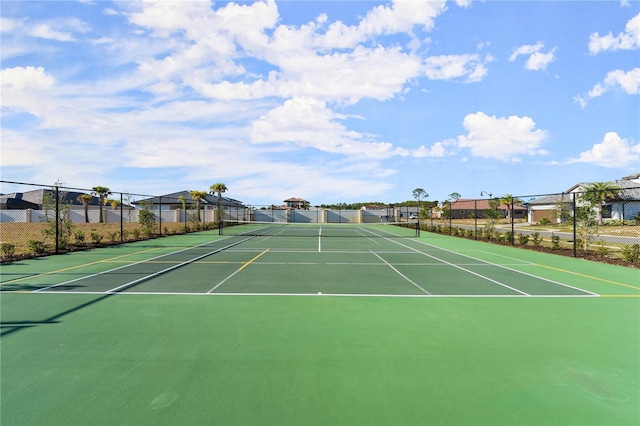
<point x="437" y="150"/>
<point x="21" y="78"/>
<point x="501" y="138"/>
<point x="333" y="65"/>
<point x="629" y="82"/>
<point x="464" y="3"/>
<point x="612" y="152"/>
<point x="537" y="60"/>
<point x="447" y="67"/>
<point x="307" y="123"/>
<point x="527" y="49"/>
<point x="8" y="25"/>
<point x="628" y="40"/>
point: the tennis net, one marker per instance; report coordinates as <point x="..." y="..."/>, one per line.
<point x="288" y="229"/>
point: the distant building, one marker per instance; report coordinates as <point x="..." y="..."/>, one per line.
<point x="297" y="203"/>
<point x="624" y="207"/>
<point x="465" y="209"/>
<point x="178" y="200"/>
<point x="37" y="199"/>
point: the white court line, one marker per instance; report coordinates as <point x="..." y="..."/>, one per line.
<point x="122" y="267"/>
<point x="466" y="270"/>
<point x="431" y="296"/>
<point x="237" y="270"/>
<point x="398" y="272"/>
<point x="513" y="270"/>
<point x="155" y="274"/>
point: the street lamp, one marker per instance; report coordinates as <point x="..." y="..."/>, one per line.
<point x="486" y="193"/>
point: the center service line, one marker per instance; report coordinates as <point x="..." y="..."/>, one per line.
<point x="237" y="270"/>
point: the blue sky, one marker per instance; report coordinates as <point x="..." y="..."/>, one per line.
<point x="331" y="101"/>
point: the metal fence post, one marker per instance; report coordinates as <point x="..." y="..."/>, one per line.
<point x="513" y="231"/>
<point x="575" y="227"/>
<point x="57" y="219"/>
<point x="121" y="218"/>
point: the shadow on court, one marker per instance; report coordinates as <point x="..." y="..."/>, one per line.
<point x="19" y="309"/>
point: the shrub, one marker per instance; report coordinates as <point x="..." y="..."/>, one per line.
<point x="545" y="221"/>
<point x="523" y="239"/>
<point x="79" y="236"/>
<point x="555" y="242"/>
<point x="537" y="239"/>
<point x="631" y="253"/>
<point x="36" y="246"/>
<point x="603" y="249"/>
<point x="113" y="236"/>
<point x="96" y="238"/>
<point x="636" y="219"/>
<point x="7" y="249"/>
<point x="136" y="233"/>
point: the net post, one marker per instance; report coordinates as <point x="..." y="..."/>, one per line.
<point x="418" y="228"/>
<point x="220" y="227"/>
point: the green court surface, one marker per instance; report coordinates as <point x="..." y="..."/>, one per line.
<point x="318" y="330"/>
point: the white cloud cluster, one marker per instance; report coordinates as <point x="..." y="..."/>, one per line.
<point x="627" y="40"/>
<point x="337" y="63"/>
<point x="308" y="123"/>
<point x="537" y="60"/>
<point x="629" y="82"/>
<point x="612" y="152"/>
<point x="505" y="139"/>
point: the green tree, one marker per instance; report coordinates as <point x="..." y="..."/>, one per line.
<point x="61" y="230"/>
<point x="598" y="193"/>
<point x="492" y="213"/>
<point x="219" y="188"/>
<point x="102" y="192"/>
<point x="419" y="194"/>
<point x="146" y="218"/>
<point x="85" y="199"/>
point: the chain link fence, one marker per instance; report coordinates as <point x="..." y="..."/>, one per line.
<point x="591" y="224"/>
<point x="39" y="219"/>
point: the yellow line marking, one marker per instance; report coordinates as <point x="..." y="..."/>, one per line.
<point x="636" y="296"/>
<point x="252" y="260"/>
<point x="588" y="276"/>
<point x="76" y="266"/>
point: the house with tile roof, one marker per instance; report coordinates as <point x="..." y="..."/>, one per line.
<point x="625" y="206"/>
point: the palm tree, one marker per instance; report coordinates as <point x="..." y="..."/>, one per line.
<point x="508" y="199"/>
<point x="219" y="188"/>
<point x="85" y="199"/>
<point x="598" y="193"/>
<point x="102" y="192"/>
<point x="198" y="196"/>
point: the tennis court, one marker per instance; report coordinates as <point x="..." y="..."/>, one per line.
<point x="318" y="324"/>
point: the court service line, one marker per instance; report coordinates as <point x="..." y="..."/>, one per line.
<point x="564" y="270"/>
<point x="398" y="272"/>
<point x="187" y="262"/>
<point x="57" y="271"/>
<point x="511" y="269"/>
<point x="237" y="270"/>
<point x="434" y="296"/>
<point x="119" y="267"/>
<point x="464" y="269"/>
<point x="587" y="276"/>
